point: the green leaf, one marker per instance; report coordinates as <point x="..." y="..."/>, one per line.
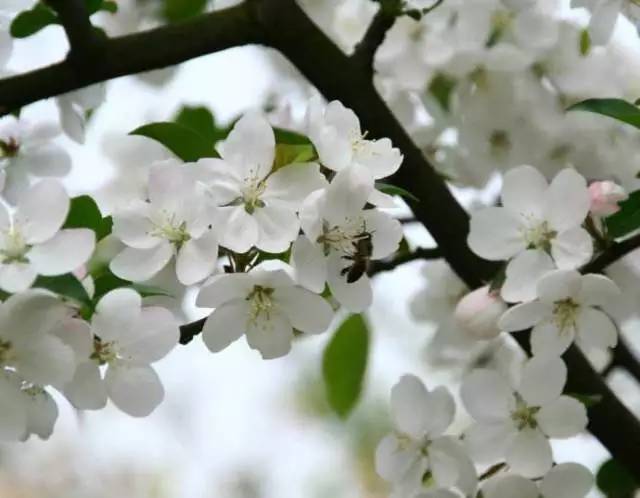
<point x="290" y="137"/>
<point x="389" y="189"/>
<point x="66" y="285"/>
<point x="614" y="108"/>
<point x="201" y="120"/>
<point x="627" y="219"/>
<point x="288" y="154"/>
<point x="84" y="213"/>
<point x="94" y="6"/>
<point x="588" y="400"/>
<point x="179" y="139"/>
<point x="498" y="279"/>
<point x="585" y="42"/>
<point x="179" y="10"/>
<point x="441" y="87"/>
<point x="29" y="22"/>
<point x="344" y="364"/>
<point x="615" y="481"/>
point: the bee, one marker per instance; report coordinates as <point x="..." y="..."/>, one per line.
<point x="360" y="258"/>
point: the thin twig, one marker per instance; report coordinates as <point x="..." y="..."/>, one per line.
<point x="382" y="22"/>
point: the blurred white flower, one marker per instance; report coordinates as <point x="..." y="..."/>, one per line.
<point x="478" y="312"/>
<point x="605" y="197"/>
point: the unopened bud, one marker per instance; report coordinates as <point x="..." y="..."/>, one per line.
<point x="605" y="197"/>
<point x="478" y="312"/>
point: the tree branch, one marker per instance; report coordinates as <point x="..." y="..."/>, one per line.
<point x="612" y="254"/>
<point x="624" y="358"/>
<point x="382" y="22"/>
<point x="84" y="41"/>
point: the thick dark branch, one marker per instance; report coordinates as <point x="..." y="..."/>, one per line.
<point x="84" y="41"/>
<point x="612" y="254"/>
<point x="140" y="52"/>
<point x="382" y="22"/>
<point x="624" y="358"/>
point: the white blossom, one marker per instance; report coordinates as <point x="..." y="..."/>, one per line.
<point x="537" y="228"/>
<point x="174" y="222"/>
<point x="129" y="338"/>
<point x="265" y="305"/>
<point x="255" y="205"/>
<point x="566" y="308"/>
<point x="341" y="237"/>
<point x="418" y="451"/>
<point x="478" y="313"/>
<point x="605" y="197"/>
<point x="514" y="424"/>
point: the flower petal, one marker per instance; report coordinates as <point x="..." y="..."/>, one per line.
<point x="523" y="273"/>
<point x="487" y="396"/>
<point x="523" y="192"/>
<point x="139" y="265"/>
<point x="238" y="229"/>
<point x="86" y="391"/>
<point x="221" y="289"/>
<point x="17" y="277"/>
<point x="135" y="389"/>
<point x="271" y="336"/>
<point x="197" y="258"/>
<point x="151" y="339"/>
<point x="495" y="234"/>
<point x="567" y="203"/>
<point x="596" y="330"/>
<point x="385" y="231"/>
<point x="529" y="453"/>
<point x="543" y="380"/>
<point x="66" y="251"/>
<point x="278" y="226"/>
<point x="572" y="248"/>
<point x="567" y="480"/>
<point x="226" y="324"/>
<point x="309" y="263"/>
<point x="548" y="340"/>
<point x="117" y="313"/>
<point x="563" y="418"/>
<point x="558" y="285"/>
<point x="42" y="211"/>
<point x="598" y="290"/>
<point x="307" y="312"/>
<point x="523" y="316"/>
<point x="293" y="183"/>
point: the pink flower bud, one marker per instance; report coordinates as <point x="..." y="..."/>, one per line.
<point x="605" y="197"/>
<point x="478" y="312"/>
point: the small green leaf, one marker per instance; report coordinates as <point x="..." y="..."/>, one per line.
<point x="179" y="10"/>
<point x="614" y="108"/>
<point x="84" y="213"/>
<point x="94" y="6"/>
<point x="615" y="481"/>
<point x="389" y="189"/>
<point x="585" y="42"/>
<point x="288" y="154"/>
<point x="588" y="400"/>
<point x="201" y="120"/>
<point x="290" y="137"/>
<point x="441" y="87"/>
<point x="627" y="219"/>
<point x="182" y="141"/>
<point x="29" y="22"/>
<point x="344" y="364"/>
<point x="66" y="285"/>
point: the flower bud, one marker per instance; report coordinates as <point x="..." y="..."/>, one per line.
<point x="605" y="197"/>
<point x="478" y="312"/>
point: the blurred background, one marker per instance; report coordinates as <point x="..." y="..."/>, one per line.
<point x="233" y="425"/>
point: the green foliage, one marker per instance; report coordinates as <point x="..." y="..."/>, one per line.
<point x="183" y="141"/>
<point x="84" y="213"/>
<point x="344" y="364"/>
<point x="29" y="22"/>
<point x="107" y="282"/>
<point x="201" y="120"/>
<point x="585" y="42"/>
<point x="179" y="10"/>
<point x="615" y="481"/>
<point x="290" y="153"/>
<point x="588" y="400"/>
<point x="389" y="189"/>
<point x="441" y="87"/>
<point x="614" y="108"/>
<point x="290" y="137"/>
<point x="627" y="219"/>
<point x="66" y="285"/>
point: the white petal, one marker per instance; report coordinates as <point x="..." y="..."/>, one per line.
<point x="487" y="396"/>
<point x="309" y="263"/>
<point x="409" y="405"/>
<point x="135" y="389"/>
<point x="487" y="442"/>
<point x="155" y="334"/>
<point x="598" y="290"/>
<point x="133" y="225"/>
<point x="17" y="277"/>
<point x="510" y="486"/>
<point x="278" y="226"/>
<point x="239" y="231"/>
<point x="572" y="248"/>
<point x="391" y="461"/>
<point x="523" y="191"/>
<point x="46" y="360"/>
<point x="197" y="258"/>
<point x="567" y="480"/>
<point x="116" y="314"/>
<point x="355" y="297"/>
<point x="42" y="211"/>
<point x="293" y="183"/>
<point x="596" y="330"/>
<point x="76" y="334"/>
<point x="221" y="289"/>
<point x="46" y="160"/>
<point x="347" y="195"/>
<point x="386" y="233"/>
<point x="543" y="380"/>
<point x="250" y="144"/>
<point x="523" y="273"/>
<point x="379" y="157"/>
<point x="603" y="21"/>
<point x="226" y="324"/>
<point x="66" y="251"/>
<point x="523" y="316"/>
<point x="13" y="412"/>
<point x="307" y="312"/>
<point x="558" y="285"/>
<point x="139" y="265"/>
<point x="529" y="453"/>
<point x="86" y="391"/>
<point x="169" y="186"/>
<point x="563" y="418"/>
<point x="548" y="340"/>
<point x="567" y="203"/>
<point x="495" y="234"/>
<point x="443" y="466"/>
<point x="42" y="413"/>
<point x="271" y="336"/>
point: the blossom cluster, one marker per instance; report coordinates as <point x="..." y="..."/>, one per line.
<point x="271" y="241"/>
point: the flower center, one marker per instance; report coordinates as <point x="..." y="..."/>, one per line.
<point x="9" y="147"/>
<point x="539" y="236"/>
<point x="525" y="416"/>
<point x="341" y="237"/>
<point x="15" y="247"/>
<point x="499" y="142"/>
<point x="565" y="314"/>
<point x="173" y="230"/>
<point x="254" y="188"/>
<point x="261" y="303"/>
<point x="104" y="352"/>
